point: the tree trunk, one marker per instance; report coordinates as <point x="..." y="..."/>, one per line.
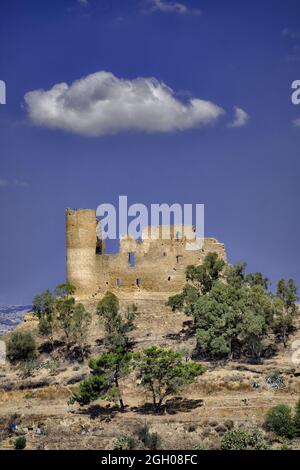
<point x="284" y="338"/>
<point x="159" y="405"/>
<point x="67" y="341"/>
<point x="230" y="354"/>
<point x="52" y="341"/>
<point x="121" y="403"/>
<point x="122" y="406"/>
<point x="154" y="401"/>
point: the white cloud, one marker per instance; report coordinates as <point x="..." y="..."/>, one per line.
<point x="15" y="182"/>
<point x="171" y="7"/>
<point x="20" y="183"/>
<point x="290" y="33"/>
<point x="83" y="3"/>
<point x="3" y="183"/>
<point x="296" y="122"/>
<point x="240" y="118"/>
<point x="101" y="103"/>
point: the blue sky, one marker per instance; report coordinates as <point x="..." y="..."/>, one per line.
<point x="241" y="54"/>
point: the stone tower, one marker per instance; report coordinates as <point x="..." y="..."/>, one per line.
<point x="81" y="240"/>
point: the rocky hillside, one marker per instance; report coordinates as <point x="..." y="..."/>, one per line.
<point x="228" y="395"/>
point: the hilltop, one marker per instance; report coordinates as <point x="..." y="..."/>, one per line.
<point x="227" y="395"/>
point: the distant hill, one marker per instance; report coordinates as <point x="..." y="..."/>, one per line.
<point x="11" y="316"/>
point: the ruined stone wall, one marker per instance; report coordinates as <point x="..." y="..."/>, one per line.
<point x="159" y="263"/>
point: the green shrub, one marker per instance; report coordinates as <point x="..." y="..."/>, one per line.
<point x="176" y="302"/>
<point x="256" y="440"/>
<point x="200" y="447"/>
<point x="279" y="420"/>
<point x="21" y="346"/>
<point x="52" y="366"/>
<point x="27" y="368"/>
<point x="124" y="442"/>
<point x="285" y="445"/>
<point x="20" y="443"/>
<point x="297" y="419"/>
<point x="240" y="439"/>
<point x="234" y="440"/>
<point x="150" y="440"/>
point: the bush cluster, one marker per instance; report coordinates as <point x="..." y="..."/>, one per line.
<point x="282" y="421"/>
<point x="21" y="346"/>
<point x="242" y="439"/>
<point x="20" y="443"/>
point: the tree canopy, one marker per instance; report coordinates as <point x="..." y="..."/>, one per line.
<point x="234" y="313"/>
<point x="59" y="312"/>
<point x="162" y="372"/>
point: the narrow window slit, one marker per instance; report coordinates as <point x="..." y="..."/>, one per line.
<point x="131" y="259"/>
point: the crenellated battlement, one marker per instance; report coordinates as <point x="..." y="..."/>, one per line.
<point x="156" y="263"/>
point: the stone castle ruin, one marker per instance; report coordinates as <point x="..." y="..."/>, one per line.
<point x="154" y="264"/>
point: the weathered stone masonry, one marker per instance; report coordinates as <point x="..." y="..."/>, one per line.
<point x="151" y="265"/>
